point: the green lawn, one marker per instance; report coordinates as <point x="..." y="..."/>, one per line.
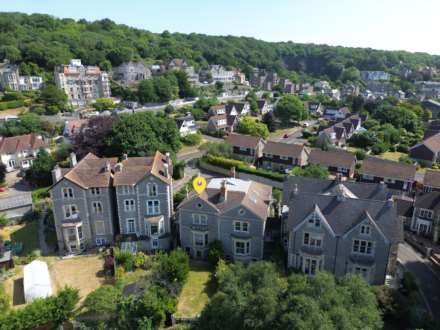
<point x="26" y="233"/>
<point x="196" y="291"/>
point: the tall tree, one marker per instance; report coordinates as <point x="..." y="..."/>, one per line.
<point x="290" y="108"/>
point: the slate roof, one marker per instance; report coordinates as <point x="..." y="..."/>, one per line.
<point x="11" y="145"/>
<point x="255" y="197"/>
<point x="387" y="169"/>
<point x="181" y="120"/>
<point x="432" y="179"/>
<point x="404" y="206"/>
<point x="428" y="200"/>
<point x="283" y="149"/>
<point x="241" y="140"/>
<point x="343" y="214"/>
<point x="374" y="191"/>
<point x="332" y="158"/>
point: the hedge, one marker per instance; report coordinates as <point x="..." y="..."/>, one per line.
<point x="11" y="104"/>
<point x="241" y="166"/>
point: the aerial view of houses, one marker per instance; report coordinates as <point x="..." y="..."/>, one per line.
<point x="213" y="174"/>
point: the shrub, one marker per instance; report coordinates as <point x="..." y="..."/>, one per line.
<point x="102" y="300"/>
<point x="11" y="104"/>
<point x="403" y="148"/>
<point x="360" y="154"/>
<point x="125" y="259"/>
<point x="171" y="270"/>
<point x="221" y="149"/>
<point x="215" y="252"/>
<point x="40" y="193"/>
<point x="241" y="166"/>
<point x="140" y="260"/>
<point x="191" y="139"/>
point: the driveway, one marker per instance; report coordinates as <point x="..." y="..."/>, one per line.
<point x="16" y="185"/>
<point x="427" y="277"/>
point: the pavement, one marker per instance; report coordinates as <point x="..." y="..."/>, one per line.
<point x="16" y="185"/>
<point x="427" y="277"/>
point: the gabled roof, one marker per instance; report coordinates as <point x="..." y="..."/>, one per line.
<point x="360" y="190"/>
<point x="432" y="178"/>
<point x="332" y="158"/>
<point x="11" y="145"/>
<point x="433" y="143"/>
<point x="134" y="169"/>
<point x="181" y="120"/>
<point x="92" y="171"/>
<point x="241" y="140"/>
<point x="342" y="214"/>
<point x="387" y="169"/>
<point x="283" y="149"/>
<point x="252" y="195"/>
<point x="428" y="200"/>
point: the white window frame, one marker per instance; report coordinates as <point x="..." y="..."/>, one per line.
<point x="307" y="266"/>
<point x="199" y="219"/>
<point x="70" y="209"/>
<point x="100" y="241"/>
<point x="365" y="230"/>
<point x="129" y="221"/>
<point x="246" y="247"/>
<point x="127" y="190"/>
<point x="154" y="186"/>
<point x="241" y="226"/>
<point x="68" y="193"/>
<point x="362" y="271"/>
<point x="97" y="207"/>
<point x="284" y="157"/>
<point x="129" y="205"/>
<point x="426" y="214"/>
<point x="362" y="247"/>
<point x="154" y="208"/>
<point x="313" y="241"/>
<point x="203" y="239"/>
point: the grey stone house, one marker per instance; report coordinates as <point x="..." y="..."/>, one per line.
<point x="83" y="204"/>
<point x="130" y="73"/>
<point x="340" y="234"/>
<point x="98" y="198"/>
<point x="425" y="218"/>
<point x="230" y="210"/>
<point x="144" y="199"/>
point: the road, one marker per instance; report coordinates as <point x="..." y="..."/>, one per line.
<point x="428" y="279"/>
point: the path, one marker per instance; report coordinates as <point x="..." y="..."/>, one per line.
<point x="428" y="279"/>
<point x="42" y="237"/>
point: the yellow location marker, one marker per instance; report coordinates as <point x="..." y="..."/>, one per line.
<point x="199" y="184"/>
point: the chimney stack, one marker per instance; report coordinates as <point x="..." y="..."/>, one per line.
<point x="223" y="191"/>
<point x="166" y="170"/>
<point x="73" y="160"/>
<point x="56" y="174"/>
<point x="124" y="156"/>
<point x="107" y="167"/>
<point x="119" y="167"/>
<point x="233" y="171"/>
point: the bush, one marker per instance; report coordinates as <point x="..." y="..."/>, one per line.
<point x="140" y="260"/>
<point x="191" y="139"/>
<point x="215" y="252"/>
<point x="241" y="166"/>
<point x="40" y="193"/>
<point x="221" y="149"/>
<point x="125" y="259"/>
<point x="171" y="270"/>
<point x="11" y="104"/>
<point x="403" y="148"/>
<point x="102" y="300"/>
<point x="360" y="154"/>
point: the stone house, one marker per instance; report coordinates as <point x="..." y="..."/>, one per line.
<point x="340" y="234"/>
<point x="231" y="211"/>
<point x="280" y="156"/>
<point x="130" y="73"/>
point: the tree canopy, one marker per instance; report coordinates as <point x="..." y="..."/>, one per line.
<point x="290" y="108"/>
<point x="256" y="297"/>
<point x="250" y="126"/>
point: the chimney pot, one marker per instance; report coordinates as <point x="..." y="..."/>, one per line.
<point x="124" y="156"/>
<point x="73" y="160"/>
<point x="223" y="191"/>
<point x="56" y="174"/>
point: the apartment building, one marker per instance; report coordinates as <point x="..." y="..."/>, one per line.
<point x="82" y="83"/>
<point x="10" y="79"/>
